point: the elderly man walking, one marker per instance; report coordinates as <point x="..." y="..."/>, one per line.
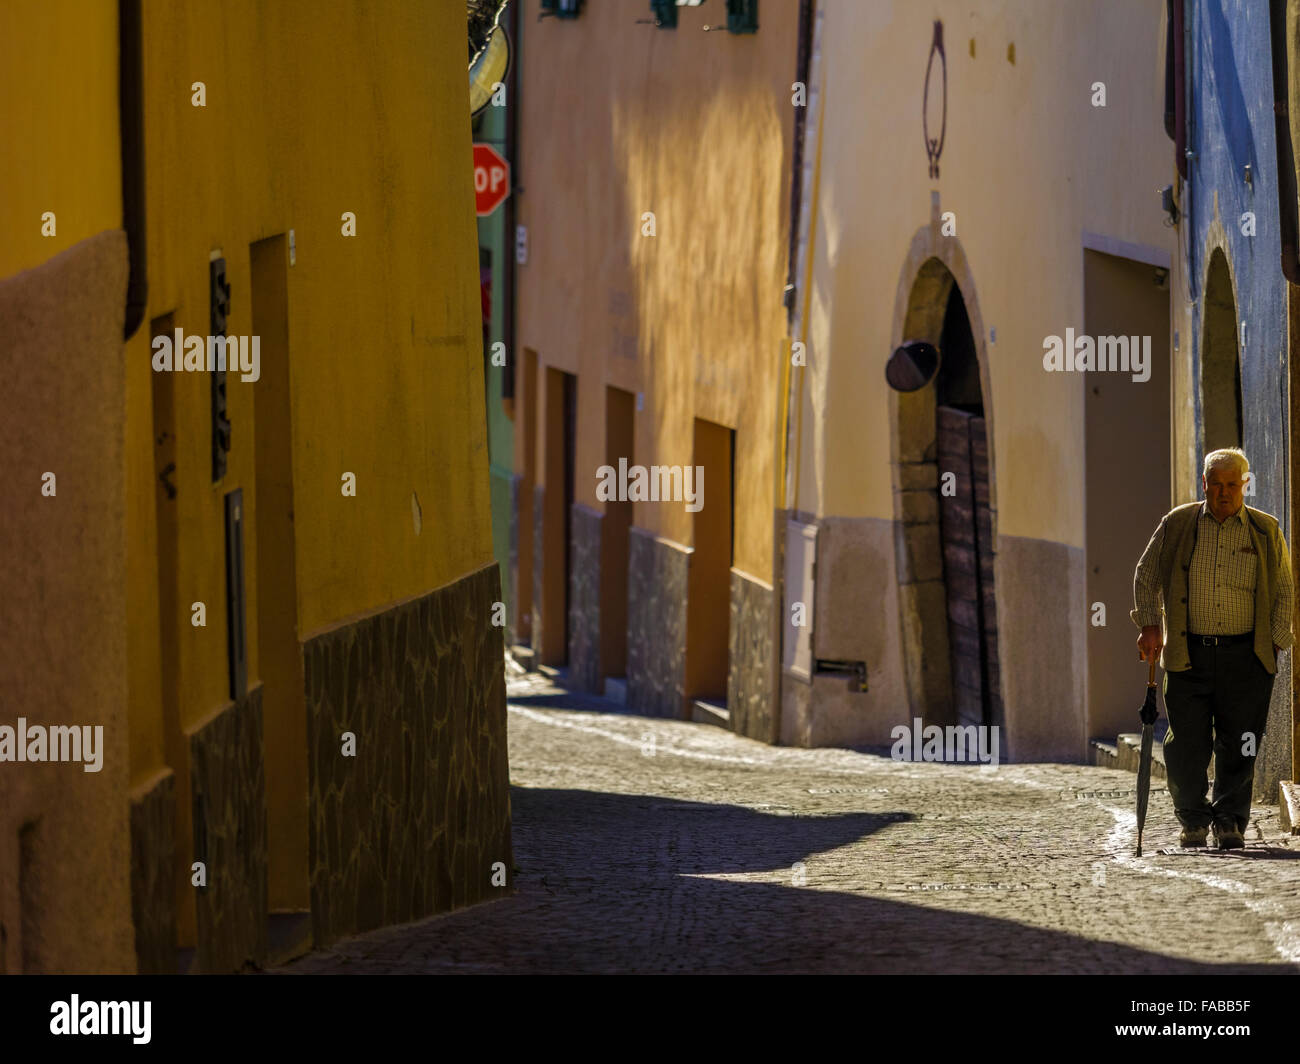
<point x="1220" y="572"/>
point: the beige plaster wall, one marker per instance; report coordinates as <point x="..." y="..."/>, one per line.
<point x="1028" y="166"/>
<point x="620" y="118"/>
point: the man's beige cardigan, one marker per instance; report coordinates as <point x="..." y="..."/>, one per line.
<point x="1179" y="526"/>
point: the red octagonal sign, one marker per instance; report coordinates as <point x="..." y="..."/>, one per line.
<point x="491" y="179"/>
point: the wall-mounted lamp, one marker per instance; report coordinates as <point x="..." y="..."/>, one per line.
<point x="912" y="366"/>
<point x="489" y="51"/>
<point x="560" y="9"/>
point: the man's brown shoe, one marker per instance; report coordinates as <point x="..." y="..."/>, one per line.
<point x="1228" y="836"/>
<point x="1190" y="837"/>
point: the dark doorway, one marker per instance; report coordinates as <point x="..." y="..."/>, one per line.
<point x="284" y="713"/>
<point x="620" y="437"/>
<point x="966" y="522"/>
<point x="570" y="449"/>
<point x="552" y="608"/>
<point x="1220" y="359"/>
<point x="1127" y="474"/>
<point x="708" y="595"/>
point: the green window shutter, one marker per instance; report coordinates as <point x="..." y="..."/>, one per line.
<point x="562" y="8"/>
<point x="665" y="13"/>
<point x="742" y="16"/>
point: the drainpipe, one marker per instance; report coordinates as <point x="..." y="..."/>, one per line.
<point x="1178" y="76"/>
<point x="802" y="207"/>
<point x="1171" y="93"/>
<point x="130" y="103"/>
<point x="1286" y="179"/>
<point x="512" y="156"/>
<point x="802" y="64"/>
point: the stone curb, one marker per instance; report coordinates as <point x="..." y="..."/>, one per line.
<point x="1125" y="753"/>
<point x="1288" y="812"/>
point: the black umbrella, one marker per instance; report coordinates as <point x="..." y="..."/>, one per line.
<point x="1148" y="714"/>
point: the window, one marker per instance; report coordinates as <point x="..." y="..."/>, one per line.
<point x="561" y="8"/>
<point x="665" y="13"/>
<point x="742" y="16"/>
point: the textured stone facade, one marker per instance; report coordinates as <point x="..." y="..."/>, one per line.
<point x="228" y="790"/>
<point x="153" y="888"/>
<point x="63" y="599"/>
<point x="754" y="658"/>
<point x="414" y="822"/>
<point x="796" y="711"/>
<point x="584" y="600"/>
<point x="656" y="625"/>
<point x="1273" y="764"/>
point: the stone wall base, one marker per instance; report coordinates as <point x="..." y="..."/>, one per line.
<point x="228" y="791"/>
<point x="153" y="889"/>
<point x="656" y="625"/>
<point x="418" y="821"/>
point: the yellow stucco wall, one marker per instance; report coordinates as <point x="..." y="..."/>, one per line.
<point x="391" y="394"/>
<point x="284" y="144"/>
<point x="1028" y="166"/>
<point x="58" y="87"/>
<point x="695" y="127"/>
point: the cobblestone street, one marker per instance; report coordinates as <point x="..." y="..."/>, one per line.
<point x="647" y="845"/>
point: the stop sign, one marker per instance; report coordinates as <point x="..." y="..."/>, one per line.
<point x="491" y="179"/>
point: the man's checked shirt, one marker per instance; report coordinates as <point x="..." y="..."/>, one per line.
<point x="1221" y="582"/>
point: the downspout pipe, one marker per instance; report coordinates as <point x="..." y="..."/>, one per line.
<point x="782" y="496"/>
<point x="1286" y="178"/>
<point x="130" y="102"/>
<point x="1171" y="92"/>
<point x="802" y="62"/>
<point x="1176" y="21"/>
<point x="512" y="156"/>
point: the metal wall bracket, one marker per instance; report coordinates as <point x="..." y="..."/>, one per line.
<point x="218" y="312"/>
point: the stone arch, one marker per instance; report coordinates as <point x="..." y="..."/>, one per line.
<point x="935" y="266"/>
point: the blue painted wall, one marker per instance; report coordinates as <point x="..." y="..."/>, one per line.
<point x="1231" y="109"/>
<point x="1230" y="106"/>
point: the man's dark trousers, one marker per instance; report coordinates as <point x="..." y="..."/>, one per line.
<point x="1219" y="705"/>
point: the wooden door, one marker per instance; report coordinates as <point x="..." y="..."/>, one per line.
<point x="966" y="538"/>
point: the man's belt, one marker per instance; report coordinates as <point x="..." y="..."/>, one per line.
<point x="1219" y="640"/>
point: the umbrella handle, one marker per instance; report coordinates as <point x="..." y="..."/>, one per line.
<point x="1151" y="676"/>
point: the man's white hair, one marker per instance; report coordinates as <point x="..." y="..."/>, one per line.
<point x="1226" y="456"/>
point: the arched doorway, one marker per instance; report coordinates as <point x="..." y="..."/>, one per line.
<point x="1220" y="359"/>
<point x="946" y="547"/>
<point x="965" y="519"/>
